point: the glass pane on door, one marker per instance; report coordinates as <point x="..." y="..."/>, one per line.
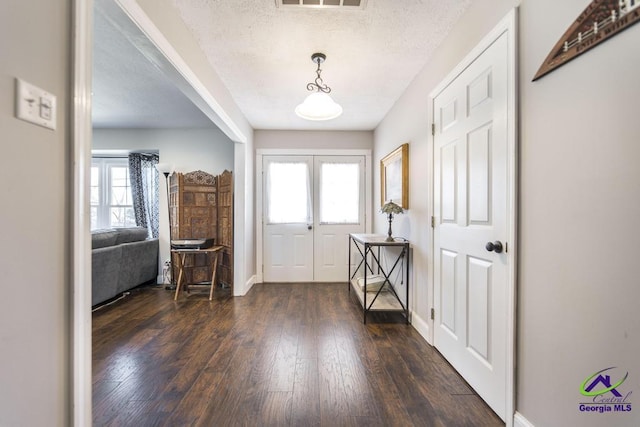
<point x="339" y="193"/>
<point x="288" y="193"/>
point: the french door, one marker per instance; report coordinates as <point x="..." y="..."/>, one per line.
<point x="310" y="205"/>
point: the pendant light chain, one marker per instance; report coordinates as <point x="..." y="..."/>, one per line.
<point x="319" y="84"/>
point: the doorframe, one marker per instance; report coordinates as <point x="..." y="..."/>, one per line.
<point x="262" y="152"/>
<point x="508" y="25"/>
<point x="80" y="381"/>
<point x="79" y="249"/>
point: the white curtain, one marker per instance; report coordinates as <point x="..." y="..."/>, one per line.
<point x="339" y="193"/>
<point x="288" y="193"/>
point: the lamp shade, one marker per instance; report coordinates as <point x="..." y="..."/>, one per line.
<point x="318" y="106"/>
<point x="391" y="208"/>
<point x="165" y="168"/>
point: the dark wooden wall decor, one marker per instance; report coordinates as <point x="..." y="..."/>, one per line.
<point x="201" y="206"/>
<point x="601" y="20"/>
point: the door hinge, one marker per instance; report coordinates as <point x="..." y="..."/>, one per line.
<point x="433" y="313"/>
<point x="433" y="222"/>
<point x="433" y="129"/>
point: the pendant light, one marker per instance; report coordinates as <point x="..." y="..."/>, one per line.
<point x="318" y="105"/>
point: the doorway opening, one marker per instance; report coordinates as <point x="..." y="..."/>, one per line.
<point x="308" y="204"/>
<point x="166" y="58"/>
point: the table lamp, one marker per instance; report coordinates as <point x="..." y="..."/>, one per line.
<point x="391" y="208"/>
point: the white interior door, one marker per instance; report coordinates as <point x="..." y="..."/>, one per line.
<point x="310" y="205"/>
<point x="471" y="184"/>
<point x="339" y="205"/>
<point x="288" y="219"/>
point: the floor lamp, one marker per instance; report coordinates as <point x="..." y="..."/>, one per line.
<point x="166" y="169"/>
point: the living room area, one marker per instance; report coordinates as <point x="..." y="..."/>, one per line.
<point x="141" y="121"/>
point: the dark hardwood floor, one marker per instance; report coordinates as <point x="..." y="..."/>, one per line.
<point x="283" y="355"/>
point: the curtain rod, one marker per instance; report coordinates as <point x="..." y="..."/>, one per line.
<point x="122" y="155"/>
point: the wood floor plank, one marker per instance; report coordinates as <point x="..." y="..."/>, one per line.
<point x="139" y="412"/>
<point x="276" y="410"/>
<point x="195" y="402"/>
<point x="305" y="406"/>
<point x="333" y="399"/>
<point x="283" y="355"/>
<point x="228" y="400"/>
<point x="357" y="386"/>
<point x="307" y="342"/>
<point x="394" y="412"/>
<point x="283" y="372"/>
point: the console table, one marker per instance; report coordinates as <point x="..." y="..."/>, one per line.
<point x="182" y="255"/>
<point x="385" y="297"/>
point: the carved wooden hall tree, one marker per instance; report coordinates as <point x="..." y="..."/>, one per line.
<point x="201" y="207"/>
<point x="225" y="227"/>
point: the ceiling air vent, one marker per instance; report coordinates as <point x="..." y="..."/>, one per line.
<point x="322" y="4"/>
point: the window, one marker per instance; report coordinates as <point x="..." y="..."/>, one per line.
<point x="339" y="193"/>
<point x="289" y="193"/>
<point x="111" y="203"/>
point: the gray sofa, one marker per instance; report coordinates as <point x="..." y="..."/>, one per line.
<point x="121" y="259"/>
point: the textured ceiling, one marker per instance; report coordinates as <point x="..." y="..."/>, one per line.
<point x="262" y="53"/>
<point x="129" y="91"/>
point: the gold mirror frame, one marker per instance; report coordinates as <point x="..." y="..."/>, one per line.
<point x="394" y="177"/>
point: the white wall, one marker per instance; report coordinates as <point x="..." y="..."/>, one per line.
<point x="187" y="150"/>
<point x="296" y="139"/>
<point x="579" y="200"/>
<point x="34" y="261"/>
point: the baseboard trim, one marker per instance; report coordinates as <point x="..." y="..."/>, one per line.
<point x="249" y="285"/>
<point x="421" y="326"/>
<point x="520" y="421"/>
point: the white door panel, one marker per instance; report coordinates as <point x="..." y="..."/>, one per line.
<point x="479" y="312"/>
<point x="448" y="303"/>
<point x="470" y="203"/>
<point x="288" y="218"/>
<point x="339" y="201"/>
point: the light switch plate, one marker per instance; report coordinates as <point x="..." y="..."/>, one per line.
<point x="35" y="105"/>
